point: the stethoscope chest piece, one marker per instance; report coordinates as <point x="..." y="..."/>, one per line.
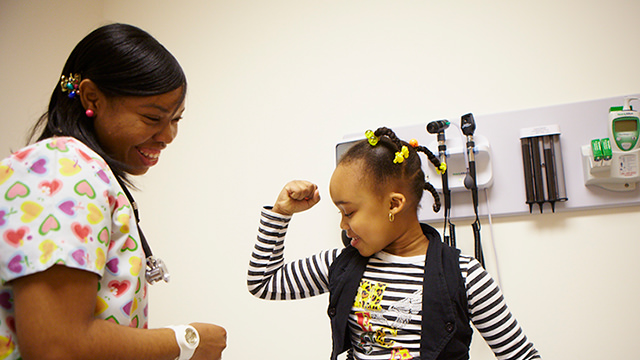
<point x="156" y="270"/>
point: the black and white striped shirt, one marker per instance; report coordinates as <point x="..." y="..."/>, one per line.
<point x="386" y="316"/>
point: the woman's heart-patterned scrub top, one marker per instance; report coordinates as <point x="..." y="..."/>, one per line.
<point x="60" y="204"/>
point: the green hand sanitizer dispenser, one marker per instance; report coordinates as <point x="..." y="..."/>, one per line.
<point x="613" y="163"/>
<point x="624" y="125"/>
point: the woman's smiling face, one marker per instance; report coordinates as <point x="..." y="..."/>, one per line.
<point x="134" y="130"/>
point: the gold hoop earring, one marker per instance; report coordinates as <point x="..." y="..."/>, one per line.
<point x="391" y="217"/>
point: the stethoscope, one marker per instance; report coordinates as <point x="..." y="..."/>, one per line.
<point x="156" y="268"/>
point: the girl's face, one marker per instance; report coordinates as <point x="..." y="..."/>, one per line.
<point x="134" y="130"/>
<point x="365" y="215"/>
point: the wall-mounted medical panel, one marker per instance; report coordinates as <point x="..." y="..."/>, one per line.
<point x="500" y="175"/>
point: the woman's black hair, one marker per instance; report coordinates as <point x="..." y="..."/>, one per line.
<point x="381" y="170"/>
<point x="122" y="60"/>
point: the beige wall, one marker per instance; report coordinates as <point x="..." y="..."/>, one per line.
<point x="35" y="39"/>
<point x="273" y="85"/>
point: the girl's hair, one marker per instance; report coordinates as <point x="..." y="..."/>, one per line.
<point x="122" y="60"/>
<point x="381" y="170"/>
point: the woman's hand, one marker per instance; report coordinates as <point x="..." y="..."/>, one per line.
<point x="213" y="339"/>
<point x="54" y="316"/>
<point x="296" y="196"/>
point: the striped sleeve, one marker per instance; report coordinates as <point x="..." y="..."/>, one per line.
<point x="270" y="278"/>
<point x="491" y="316"/>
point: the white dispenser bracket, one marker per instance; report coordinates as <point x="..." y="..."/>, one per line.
<point x="620" y="173"/>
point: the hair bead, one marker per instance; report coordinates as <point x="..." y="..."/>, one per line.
<point x="371" y="137"/>
<point x="70" y="84"/>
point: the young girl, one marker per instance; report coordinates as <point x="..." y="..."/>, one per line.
<point x="387" y="300"/>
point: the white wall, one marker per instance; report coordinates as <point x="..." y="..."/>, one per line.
<point x="273" y="85"/>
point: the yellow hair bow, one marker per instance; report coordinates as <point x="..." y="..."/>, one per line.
<point x="442" y="168"/>
<point x="401" y="155"/>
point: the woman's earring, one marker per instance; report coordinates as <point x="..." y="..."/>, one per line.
<point x="89" y="113"/>
<point x="391" y="217"/>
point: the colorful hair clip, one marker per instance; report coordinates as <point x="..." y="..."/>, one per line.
<point x="442" y="168"/>
<point x="401" y="155"/>
<point x="371" y="136"/>
<point x="70" y="84"/>
<point x="413" y="143"/>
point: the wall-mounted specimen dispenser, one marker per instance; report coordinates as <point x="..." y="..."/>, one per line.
<point x="613" y="163"/>
<point x="542" y="164"/>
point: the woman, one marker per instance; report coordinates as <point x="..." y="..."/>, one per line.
<point x="72" y="258"/>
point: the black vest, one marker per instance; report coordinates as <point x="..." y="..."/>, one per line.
<point x="446" y="333"/>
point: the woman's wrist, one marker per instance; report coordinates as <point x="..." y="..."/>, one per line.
<point x="188" y="340"/>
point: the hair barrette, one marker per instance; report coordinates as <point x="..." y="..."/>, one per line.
<point x="401" y="155"/>
<point x="371" y="137"/>
<point x="413" y="143"/>
<point x="70" y="84"/>
<point x="442" y="168"/>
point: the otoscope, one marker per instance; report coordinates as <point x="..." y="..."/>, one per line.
<point x="468" y="126"/>
<point x="438" y="127"/>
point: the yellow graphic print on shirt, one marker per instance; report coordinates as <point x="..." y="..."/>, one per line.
<point x="378" y="331"/>
<point x="401" y="354"/>
<point x="379" y="335"/>
<point x="369" y="295"/>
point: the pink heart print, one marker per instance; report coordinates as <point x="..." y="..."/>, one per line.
<point x="112" y="199"/>
<point x="11" y="322"/>
<point x="130" y="245"/>
<point x="21" y="155"/>
<point x="5" y="300"/>
<point x="17" y="190"/>
<point x="60" y="144"/>
<point x="84" y="188"/>
<point x="15" y="265"/>
<point x="84" y="156"/>
<point x="14" y="237"/>
<point x="79" y="256"/>
<point x="81" y="231"/>
<point x="39" y="166"/>
<point x="112" y="265"/>
<point x="127" y="308"/>
<point x="50" y="223"/>
<point x="103" y="176"/>
<point x="51" y="187"/>
<point x="67" y="207"/>
<point x="119" y="287"/>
